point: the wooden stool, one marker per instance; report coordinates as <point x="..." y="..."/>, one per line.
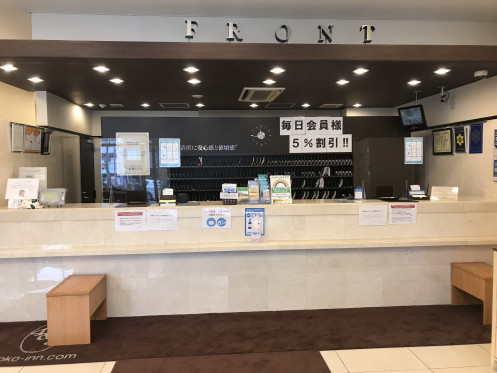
<point x="71" y="305"/>
<point x="470" y="281"/>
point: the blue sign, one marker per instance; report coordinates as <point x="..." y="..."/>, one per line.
<point x="169" y="153"/>
<point x="476" y="138"/>
<point x="255" y="219"/>
<point x="211" y="222"/>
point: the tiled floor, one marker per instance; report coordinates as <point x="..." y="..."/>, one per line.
<point x="432" y="359"/>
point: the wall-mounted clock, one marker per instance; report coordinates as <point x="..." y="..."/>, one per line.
<point x="260" y="135"/>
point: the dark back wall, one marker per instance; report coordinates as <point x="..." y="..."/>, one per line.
<point x="378" y="142"/>
<point x="238" y="131"/>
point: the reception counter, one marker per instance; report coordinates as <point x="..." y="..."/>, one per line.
<point x="314" y="255"/>
<point x="89" y="229"/>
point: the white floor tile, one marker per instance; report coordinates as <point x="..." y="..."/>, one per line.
<point x="10" y="370"/>
<point x="333" y="361"/>
<point x="380" y="359"/>
<point x="109" y="365"/>
<point x="452" y="356"/>
<point x="64" y="368"/>
<point x="487" y="369"/>
<point x="486" y="346"/>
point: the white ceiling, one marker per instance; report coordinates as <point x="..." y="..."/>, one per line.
<point x="455" y="10"/>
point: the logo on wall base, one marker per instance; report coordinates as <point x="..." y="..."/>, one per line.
<point x="36" y="341"/>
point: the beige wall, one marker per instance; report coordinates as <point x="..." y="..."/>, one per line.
<point x="15" y="25"/>
<point x="53" y="111"/>
<point x="471" y="172"/>
<point x="63" y="169"/>
<point x="17" y="105"/>
<point x="63" y="163"/>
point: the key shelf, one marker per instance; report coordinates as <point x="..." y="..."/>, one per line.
<point x="314" y="176"/>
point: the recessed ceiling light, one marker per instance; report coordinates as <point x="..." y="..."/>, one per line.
<point x="194" y="81"/>
<point x="342" y="82"/>
<point x="360" y="71"/>
<point x="35" y="79"/>
<point x="414" y="82"/>
<point x="306" y="105"/>
<point x="145" y="105"/>
<point x="116" y="81"/>
<point x="89" y="104"/>
<point x="199" y="105"/>
<point x="254" y="105"/>
<point x="357" y="105"/>
<point x="190" y="69"/>
<point x="441" y="71"/>
<point x="277" y="70"/>
<point x="8" y="67"/>
<point x="198" y="96"/>
<point x="101" y="68"/>
<point x="269" y="81"/>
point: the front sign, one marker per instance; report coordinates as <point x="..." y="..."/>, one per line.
<point x="282" y="33"/>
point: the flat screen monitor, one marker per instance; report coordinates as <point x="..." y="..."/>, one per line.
<point x="412" y="118"/>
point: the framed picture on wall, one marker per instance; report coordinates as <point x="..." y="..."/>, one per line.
<point x="443" y="141"/>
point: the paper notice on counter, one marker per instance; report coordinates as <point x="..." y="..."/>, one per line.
<point x="216" y="217"/>
<point x="130" y="220"/>
<point x="373" y="215"/>
<point x="404" y="213"/>
<point x="162" y="220"/>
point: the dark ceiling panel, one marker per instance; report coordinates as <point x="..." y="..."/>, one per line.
<point x="152" y="72"/>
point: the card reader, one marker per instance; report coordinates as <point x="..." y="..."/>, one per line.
<point x="52" y="197"/>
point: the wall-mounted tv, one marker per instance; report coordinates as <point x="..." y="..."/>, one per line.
<point x="412" y="118"/>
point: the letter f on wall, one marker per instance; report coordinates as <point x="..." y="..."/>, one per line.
<point x="191" y="28"/>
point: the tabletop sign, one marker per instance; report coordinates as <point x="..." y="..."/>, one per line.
<point x="442" y="193"/>
<point x="22" y="188"/>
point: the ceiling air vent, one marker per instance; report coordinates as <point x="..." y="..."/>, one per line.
<point x="116" y="106"/>
<point x="174" y="106"/>
<point x="331" y="106"/>
<point x="260" y="94"/>
<point x="279" y="105"/>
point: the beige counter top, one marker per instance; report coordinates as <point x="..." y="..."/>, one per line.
<point x="88" y="229"/>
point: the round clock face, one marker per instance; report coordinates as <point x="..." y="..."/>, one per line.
<point x="260" y="135"/>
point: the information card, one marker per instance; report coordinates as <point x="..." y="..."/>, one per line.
<point x="22" y="188"/>
<point x="373" y="215"/>
<point x="130" y="220"/>
<point x="403" y="213"/>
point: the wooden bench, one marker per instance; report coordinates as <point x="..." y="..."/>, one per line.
<point x="470" y="281"/>
<point x="70" y="306"/>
